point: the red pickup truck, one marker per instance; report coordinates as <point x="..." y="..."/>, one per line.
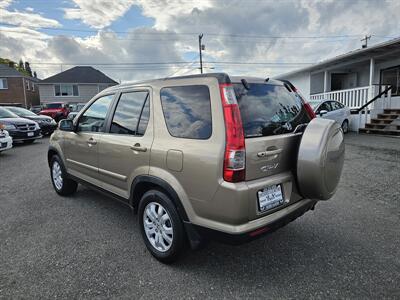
<point x="56" y="110"/>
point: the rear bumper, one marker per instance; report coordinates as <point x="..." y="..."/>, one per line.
<point x="259" y="227"/>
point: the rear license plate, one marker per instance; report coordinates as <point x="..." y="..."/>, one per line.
<point x="30" y="133"/>
<point x="270" y="197"/>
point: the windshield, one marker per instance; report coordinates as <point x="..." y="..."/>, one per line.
<point x="5" y="113"/>
<point x="21" y="112"/>
<point x="268" y="109"/>
<point x="53" y="105"/>
<point x="314" y="104"/>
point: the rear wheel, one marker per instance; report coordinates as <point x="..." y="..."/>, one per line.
<point x="63" y="185"/>
<point x="161" y="227"/>
<point x="345" y="126"/>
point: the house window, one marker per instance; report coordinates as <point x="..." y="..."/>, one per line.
<point x="27" y="84"/>
<point x="392" y="76"/>
<point x="66" y="90"/>
<point x="33" y="86"/>
<point x="3" y="84"/>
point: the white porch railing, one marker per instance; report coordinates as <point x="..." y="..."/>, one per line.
<point x="352" y="98"/>
<point x="356" y="98"/>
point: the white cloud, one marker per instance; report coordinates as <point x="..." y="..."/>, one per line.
<point x="279" y="18"/>
<point x="98" y="13"/>
<point x="24" y="18"/>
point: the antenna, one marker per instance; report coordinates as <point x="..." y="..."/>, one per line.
<point x="367" y="37"/>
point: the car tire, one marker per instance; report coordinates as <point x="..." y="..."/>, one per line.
<point x="29" y="142"/>
<point x="345" y="126"/>
<point x="63" y="185"/>
<point x="161" y="227"/>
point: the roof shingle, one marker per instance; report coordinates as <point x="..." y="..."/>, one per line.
<point x="80" y="74"/>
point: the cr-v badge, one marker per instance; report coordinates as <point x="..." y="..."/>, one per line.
<point x="269" y="167"/>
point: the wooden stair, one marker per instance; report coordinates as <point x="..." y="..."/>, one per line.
<point x="387" y="123"/>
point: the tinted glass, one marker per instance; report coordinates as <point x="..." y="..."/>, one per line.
<point x="144" y="118"/>
<point x="324" y="106"/>
<point x="187" y="111"/>
<point x="127" y="114"/>
<point x="336" y="105"/>
<point x="268" y="109"/>
<point x="94" y="117"/>
<point x="5" y="113"/>
<point x="22" y="112"/>
<point x="53" y="105"/>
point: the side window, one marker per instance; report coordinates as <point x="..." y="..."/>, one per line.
<point x="324" y="106"/>
<point x="93" y="119"/>
<point x="129" y="114"/>
<point x="336" y="105"/>
<point x="187" y="111"/>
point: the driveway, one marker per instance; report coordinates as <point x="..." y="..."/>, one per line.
<point x="89" y="246"/>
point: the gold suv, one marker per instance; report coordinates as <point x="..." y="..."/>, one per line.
<point x="201" y="157"/>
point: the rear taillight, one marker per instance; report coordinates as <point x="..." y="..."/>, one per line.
<point x="309" y="110"/>
<point x="235" y="152"/>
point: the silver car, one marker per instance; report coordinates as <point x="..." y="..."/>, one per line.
<point x="333" y="110"/>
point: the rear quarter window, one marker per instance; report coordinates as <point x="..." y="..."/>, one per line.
<point x="187" y="111"/>
<point x="268" y="109"/>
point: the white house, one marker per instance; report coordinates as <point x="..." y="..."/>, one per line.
<point x="354" y="79"/>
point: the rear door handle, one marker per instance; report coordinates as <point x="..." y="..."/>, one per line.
<point x="269" y="153"/>
<point x="91" y="142"/>
<point x="139" y="148"/>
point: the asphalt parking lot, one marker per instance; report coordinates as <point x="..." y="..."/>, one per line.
<point x="89" y="246"/>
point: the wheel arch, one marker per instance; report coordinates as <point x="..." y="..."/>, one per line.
<point x="142" y="183"/>
<point x="54" y="151"/>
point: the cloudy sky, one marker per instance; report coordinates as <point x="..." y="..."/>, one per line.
<point x="140" y="39"/>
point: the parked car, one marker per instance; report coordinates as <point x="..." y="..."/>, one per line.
<point x="333" y="110"/>
<point x="20" y="129"/>
<point x="75" y="109"/>
<point x="36" y="109"/>
<point x="56" y="110"/>
<point x="47" y="124"/>
<point x="5" y="139"/>
<point x="201" y="157"/>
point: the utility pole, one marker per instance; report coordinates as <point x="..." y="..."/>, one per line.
<point x="201" y="47"/>
<point x="367" y="37"/>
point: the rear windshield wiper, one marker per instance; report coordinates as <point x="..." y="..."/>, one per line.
<point x="245" y="84"/>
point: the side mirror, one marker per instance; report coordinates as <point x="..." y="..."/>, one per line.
<point x="323" y="112"/>
<point x="66" y="125"/>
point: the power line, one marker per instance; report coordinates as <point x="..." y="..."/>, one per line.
<point x="189" y="33"/>
<point x="168" y="63"/>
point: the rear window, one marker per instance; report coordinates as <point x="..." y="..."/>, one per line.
<point x="187" y="111"/>
<point x="268" y="109"/>
<point x="53" y="105"/>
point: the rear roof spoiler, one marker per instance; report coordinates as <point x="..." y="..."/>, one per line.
<point x="221" y="77"/>
<point x="287" y="82"/>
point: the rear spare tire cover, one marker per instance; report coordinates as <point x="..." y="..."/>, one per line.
<point x="320" y="159"/>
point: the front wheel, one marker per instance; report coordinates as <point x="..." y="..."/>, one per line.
<point x="61" y="183"/>
<point x="161" y="227"/>
<point x="345" y="126"/>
